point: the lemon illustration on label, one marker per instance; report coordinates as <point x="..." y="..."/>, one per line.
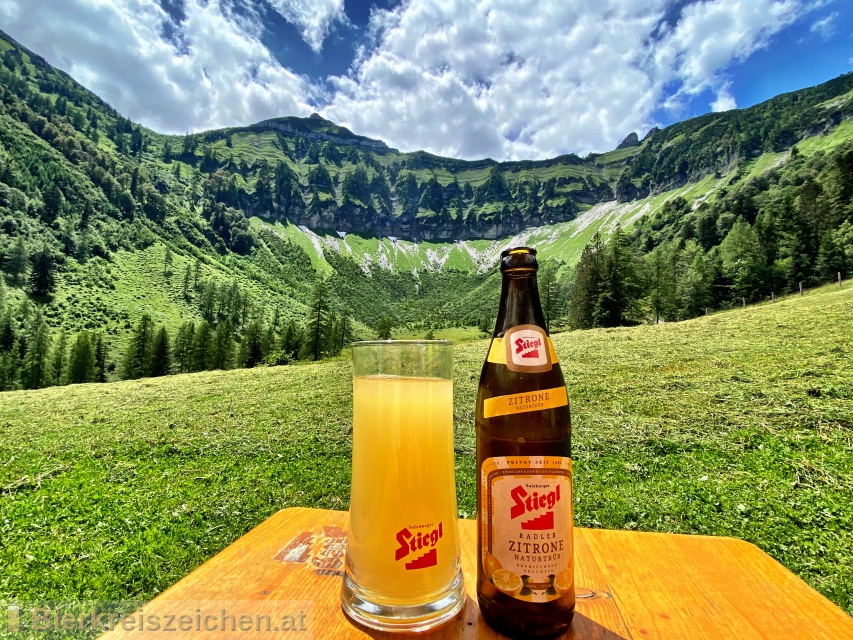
<point x="508" y="582"/>
<point x="563" y="581"/>
<point x="491" y="564"/>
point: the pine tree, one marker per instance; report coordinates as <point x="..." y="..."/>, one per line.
<point x="291" y="341"/>
<point x="587" y="286"/>
<point x="620" y="283"/>
<point x="202" y="349"/>
<point x="161" y="356"/>
<point x="345" y="330"/>
<point x="137" y="363"/>
<point x="549" y="294"/>
<point x="383" y="328"/>
<point x="195" y="273"/>
<point x="316" y="330"/>
<point x="59" y="362"/>
<point x="167" y="263"/>
<point x="9" y="362"/>
<point x="42" y="278"/>
<point x="81" y="361"/>
<point x="183" y="350"/>
<point x="270" y="341"/>
<point x="35" y="372"/>
<point x="251" y="349"/>
<point x="660" y="280"/>
<point x="100" y="358"/>
<point x="187" y="282"/>
<point x="223" y="346"/>
<point x="830" y="259"/>
<point x="743" y="261"/>
<point x="694" y="284"/>
<point x="17" y="261"/>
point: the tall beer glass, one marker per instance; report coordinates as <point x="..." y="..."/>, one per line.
<point x="402" y="565"/>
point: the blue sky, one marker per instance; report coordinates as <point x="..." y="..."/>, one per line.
<point x="507" y="79"/>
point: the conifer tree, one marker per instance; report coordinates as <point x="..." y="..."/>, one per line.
<point x="161" y="356"/>
<point x="345" y="329"/>
<point x="251" y="349"/>
<point x="659" y="278"/>
<point x="223" y="346"/>
<point x="383" y="328"/>
<point x="830" y="259"/>
<point x="291" y="341"/>
<point x="549" y="294"/>
<point x="316" y="330"/>
<point x="620" y="285"/>
<point x="183" y="350"/>
<point x="42" y="278"/>
<point x="81" y="361"/>
<point x="587" y="286"/>
<point x="137" y="363"/>
<point x="35" y="372"/>
<point x="59" y="360"/>
<point x="100" y="358"/>
<point x="17" y="261"/>
<point x="168" y="259"/>
<point x="202" y="349"/>
<point x="186" y="291"/>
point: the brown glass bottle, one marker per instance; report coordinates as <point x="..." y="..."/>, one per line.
<point x="524" y="498"/>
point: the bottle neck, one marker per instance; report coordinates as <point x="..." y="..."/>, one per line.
<point x="519" y="301"/>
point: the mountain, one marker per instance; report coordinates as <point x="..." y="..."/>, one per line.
<point x="104" y="221"/>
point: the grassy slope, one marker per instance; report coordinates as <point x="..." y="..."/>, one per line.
<point x="112" y="296"/>
<point x="735" y="424"/>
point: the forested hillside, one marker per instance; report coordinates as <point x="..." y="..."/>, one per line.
<point x="128" y="253"/>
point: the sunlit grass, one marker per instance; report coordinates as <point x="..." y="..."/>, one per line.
<point x="739" y="423"/>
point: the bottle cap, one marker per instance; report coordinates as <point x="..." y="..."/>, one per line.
<point x="518" y="258"/>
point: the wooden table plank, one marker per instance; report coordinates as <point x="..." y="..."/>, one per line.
<point x="631" y="585"/>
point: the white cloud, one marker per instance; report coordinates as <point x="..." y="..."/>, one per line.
<point x="226" y="77"/>
<point x="825" y="27"/>
<point x="314" y="18"/>
<point x="465" y="78"/>
<point x="725" y="100"/>
<point x="528" y="79"/>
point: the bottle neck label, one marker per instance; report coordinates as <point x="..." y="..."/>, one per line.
<point x="524" y="348"/>
<point x="526" y="520"/>
<point x="526" y="401"/>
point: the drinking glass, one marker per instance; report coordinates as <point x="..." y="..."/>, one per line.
<point x="403" y="569"/>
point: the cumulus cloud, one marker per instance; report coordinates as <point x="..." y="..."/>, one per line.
<point x="825" y="27"/>
<point x="529" y="79"/>
<point x="465" y="78"/>
<point x="725" y="100"/>
<point x="220" y="75"/>
<point x="314" y="18"/>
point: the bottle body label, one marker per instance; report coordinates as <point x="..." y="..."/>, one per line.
<point x="526" y="520"/>
<point x="525" y="349"/>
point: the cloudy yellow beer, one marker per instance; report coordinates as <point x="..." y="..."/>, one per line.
<point x="402" y="547"/>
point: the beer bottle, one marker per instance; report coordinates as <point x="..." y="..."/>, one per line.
<point x="525" y="573"/>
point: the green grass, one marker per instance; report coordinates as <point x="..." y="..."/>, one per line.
<point x="737" y="424"/>
<point x="457" y="334"/>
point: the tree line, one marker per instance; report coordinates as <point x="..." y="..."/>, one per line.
<point x="32" y="356"/>
<point x="791" y="227"/>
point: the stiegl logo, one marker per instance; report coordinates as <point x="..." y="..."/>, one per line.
<point x="528" y="347"/>
<point x="411" y="543"/>
<point x="528" y="503"/>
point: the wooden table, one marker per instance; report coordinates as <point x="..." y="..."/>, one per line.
<point x="630" y="585"/>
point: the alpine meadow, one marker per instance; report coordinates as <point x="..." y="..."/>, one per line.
<point x="176" y="313"/>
